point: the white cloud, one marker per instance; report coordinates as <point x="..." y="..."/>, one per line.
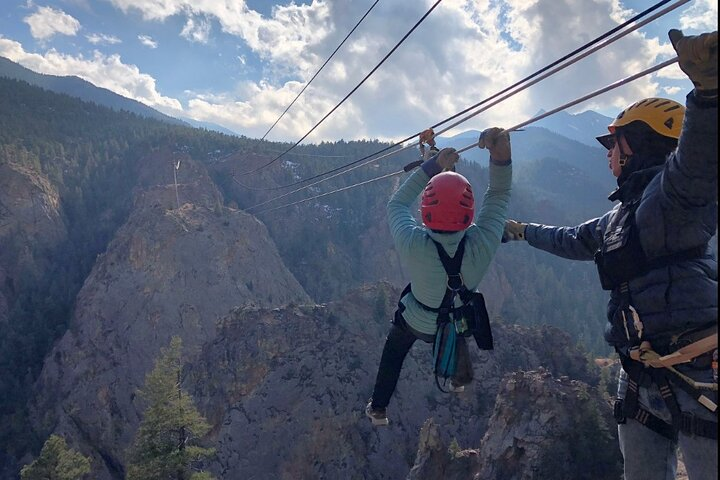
<point x="284" y="38"/>
<point x="702" y="15"/>
<point x="147" y="41"/>
<point x="465" y="51"/>
<point x="102" y="39"/>
<point x="47" y="22"/>
<point x="196" y="30"/>
<point x="106" y="71"/>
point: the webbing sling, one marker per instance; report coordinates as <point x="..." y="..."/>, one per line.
<point x="478" y="320"/>
<point x="453" y="265"/>
<point x="681" y="421"/>
<point x="454" y="282"/>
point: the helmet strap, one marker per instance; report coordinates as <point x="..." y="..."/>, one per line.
<point x="623" y="160"/>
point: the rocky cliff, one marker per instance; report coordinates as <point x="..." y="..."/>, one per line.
<point x="168" y="271"/>
<point x="285" y="390"/>
<point x="31" y="228"/>
<point x="542" y="427"/>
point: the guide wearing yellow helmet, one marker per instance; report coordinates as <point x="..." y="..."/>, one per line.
<point x="650" y="127"/>
<point x="653" y="257"/>
<point x="662" y="115"/>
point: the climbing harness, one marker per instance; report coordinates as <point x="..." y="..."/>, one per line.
<point x="644" y="366"/>
<point x="469" y="319"/>
<point x="621" y="259"/>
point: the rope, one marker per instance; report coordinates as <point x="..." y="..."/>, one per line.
<point x="324" y="179"/>
<point x="335" y="191"/>
<point x="323" y="66"/>
<point x="530" y="77"/>
<point x="351" y="91"/>
<point x="593" y="94"/>
<point x="600" y="91"/>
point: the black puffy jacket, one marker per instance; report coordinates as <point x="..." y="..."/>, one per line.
<point x="677" y="212"/>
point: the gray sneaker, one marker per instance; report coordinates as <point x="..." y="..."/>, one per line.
<point x="455" y="388"/>
<point x="378" y="416"/>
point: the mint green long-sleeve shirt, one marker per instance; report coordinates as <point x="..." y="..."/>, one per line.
<point x="413" y="241"/>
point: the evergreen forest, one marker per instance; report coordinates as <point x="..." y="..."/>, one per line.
<point x="87" y="158"/>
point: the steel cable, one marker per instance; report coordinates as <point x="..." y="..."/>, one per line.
<point x="320" y="69"/>
<point x="572" y="103"/>
<point x="351" y="91"/>
<point x="545" y="69"/>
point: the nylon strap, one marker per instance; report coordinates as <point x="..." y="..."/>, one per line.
<point x="452" y="267"/>
<point x="684" y="422"/>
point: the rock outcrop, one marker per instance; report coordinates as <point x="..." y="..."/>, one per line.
<point x="168" y="271"/>
<point x="545" y="427"/>
<point x="285" y="389"/>
<point x="31" y="229"/>
<point x="542" y="427"/>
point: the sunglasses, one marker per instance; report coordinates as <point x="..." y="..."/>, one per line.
<point x="608" y="141"/>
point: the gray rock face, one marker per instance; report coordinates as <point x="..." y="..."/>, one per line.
<point x="286" y="388"/>
<point x="542" y="427"/>
<point x="167" y="272"/>
<point x="30" y="226"/>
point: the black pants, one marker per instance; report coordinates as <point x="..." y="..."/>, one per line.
<point x="397" y="345"/>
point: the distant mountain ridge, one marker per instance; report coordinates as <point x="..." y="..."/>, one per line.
<point x="77" y="87"/>
<point x="582" y="127"/>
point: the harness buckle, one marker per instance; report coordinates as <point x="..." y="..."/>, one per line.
<point x="456" y="279"/>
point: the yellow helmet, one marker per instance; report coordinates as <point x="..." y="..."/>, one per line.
<point x="663" y="115"/>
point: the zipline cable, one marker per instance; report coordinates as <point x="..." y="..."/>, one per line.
<point x="323" y="66"/>
<point x="520" y="82"/>
<point x="561" y="67"/>
<point x="544" y="70"/>
<point x="595" y="93"/>
<point x="607" y="88"/>
<point x="351" y="91"/>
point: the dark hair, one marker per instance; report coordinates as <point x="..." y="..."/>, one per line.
<point x="646" y="144"/>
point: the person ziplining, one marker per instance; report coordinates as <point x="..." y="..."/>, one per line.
<point x="449" y="229"/>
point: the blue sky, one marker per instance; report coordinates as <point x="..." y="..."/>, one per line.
<point x="240" y="63"/>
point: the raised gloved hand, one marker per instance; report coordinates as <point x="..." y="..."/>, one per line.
<point x="698" y="58"/>
<point x="513" y="231"/>
<point x="444" y="160"/>
<point x="497" y="141"/>
<point x="447" y="158"/>
<point x="427" y="136"/>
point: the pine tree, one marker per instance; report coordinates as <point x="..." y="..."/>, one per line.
<point x="163" y="446"/>
<point x="57" y="462"/>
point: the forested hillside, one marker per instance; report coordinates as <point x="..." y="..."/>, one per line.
<point x="69" y="172"/>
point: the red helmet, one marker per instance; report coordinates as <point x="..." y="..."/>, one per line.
<point x="447" y="203"/>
